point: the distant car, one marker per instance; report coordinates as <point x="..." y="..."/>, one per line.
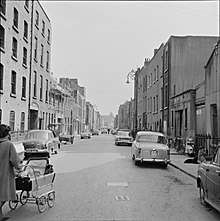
<point x="123" y="138"/>
<point x="150" y="146"/>
<point x="208" y="181"/>
<point x="95" y="132"/>
<point x="84" y="135"/>
<point x="64" y="138"/>
<point x="104" y="131"/>
<point x="41" y="140"/>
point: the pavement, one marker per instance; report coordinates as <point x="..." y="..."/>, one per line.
<point x="177" y="161"/>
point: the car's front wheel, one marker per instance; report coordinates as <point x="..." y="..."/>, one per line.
<point x="202" y="194"/>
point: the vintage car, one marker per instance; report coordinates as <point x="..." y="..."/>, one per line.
<point x="123" y="137"/>
<point x="150" y="146"/>
<point x="65" y="137"/>
<point x="95" y="132"/>
<point x="41" y="140"/>
<point x="85" y="134"/>
<point x="208" y="181"/>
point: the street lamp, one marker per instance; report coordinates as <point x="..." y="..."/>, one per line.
<point x="131" y="76"/>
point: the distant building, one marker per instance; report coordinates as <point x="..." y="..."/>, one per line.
<point x="107" y="121"/>
<point x="79" y="93"/>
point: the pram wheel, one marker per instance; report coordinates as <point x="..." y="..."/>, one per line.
<point x="13" y="204"/>
<point x="50" y="199"/>
<point x="24" y="197"/>
<point x="41" y="203"/>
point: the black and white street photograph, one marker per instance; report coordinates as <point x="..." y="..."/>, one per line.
<point x="109" y="110"/>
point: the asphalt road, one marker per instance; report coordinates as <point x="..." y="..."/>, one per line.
<point x="96" y="180"/>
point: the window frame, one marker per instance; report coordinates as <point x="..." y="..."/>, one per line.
<point x="24" y="85"/>
<point x="13" y="82"/>
<point x="2" y="38"/>
<point x="15" y="18"/>
<point x="1" y="77"/>
<point x="12" y="120"/>
<point x="24" y="56"/>
<point x="14" y="48"/>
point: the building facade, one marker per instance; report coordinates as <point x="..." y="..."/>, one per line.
<point x="212" y="94"/>
<point x="15" y="37"/>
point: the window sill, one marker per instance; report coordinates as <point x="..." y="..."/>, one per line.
<point x="1" y="91"/>
<point x="47" y="70"/>
<point x="25" y="39"/>
<point x="26" y="8"/>
<point x="24" y="65"/>
<point x="14" y="58"/>
<point x="41" y="65"/>
<point x="35" y="59"/>
<point x="48" y="42"/>
<point x="15" y="28"/>
<point x="2" y="49"/>
<point x="186" y="128"/>
<point x="46" y="102"/>
<point x="43" y="35"/>
<point x="3" y="16"/>
<point x="36" y="25"/>
<point x="23" y="98"/>
<point x="41" y="99"/>
<point x="34" y="97"/>
<point x="12" y="95"/>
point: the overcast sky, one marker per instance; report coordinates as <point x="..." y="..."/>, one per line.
<point x="100" y="42"/>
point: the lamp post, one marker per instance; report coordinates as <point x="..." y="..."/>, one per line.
<point x="132" y="75"/>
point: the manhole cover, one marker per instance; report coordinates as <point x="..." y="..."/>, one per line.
<point x="122" y="198"/>
<point x="123" y="184"/>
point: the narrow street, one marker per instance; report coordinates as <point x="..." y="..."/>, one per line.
<point x="96" y="180"/>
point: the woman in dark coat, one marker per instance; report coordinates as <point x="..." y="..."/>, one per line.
<point x="9" y="160"/>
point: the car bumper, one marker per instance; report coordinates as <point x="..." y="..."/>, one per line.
<point x="153" y="160"/>
<point x="124" y="142"/>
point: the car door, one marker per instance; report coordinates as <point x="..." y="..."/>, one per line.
<point x="213" y="179"/>
<point x="216" y="162"/>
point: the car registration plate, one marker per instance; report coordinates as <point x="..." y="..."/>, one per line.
<point x="153" y="153"/>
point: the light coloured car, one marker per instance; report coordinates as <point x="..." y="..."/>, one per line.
<point x="150" y="146"/>
<point x="85" y="134"/>
<point x="208" y="181"/>
<point x="123" y="138"/>
<point x="41" y="140"/>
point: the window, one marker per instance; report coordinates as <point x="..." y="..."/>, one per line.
<point x="161" y="96"/>
<point x="23" y="93"/>
<point x="26" y="3"/>
<point x="151" y="79"/>
<point x="48" y="35"/>
<point x="1" y="76"/>
<point x="154" y="110"/>
<point x="35" y="49"/>
<point x="50" y="93"/>
<point x="174" y="89"/>
<point x="43" y="27"/>
<point x="156" y="103"/>
<point x="14" y="47"/>
<point x="172" y="119"/>
<point x="157" y="72"/>
<point x="186" y="118"/>
<point x="37" y="19"/>
<point x="46" y="95"/>
<point x="166" y="96"/>
<point x="2" y="37"/>
<point x="22" y="121"/>
<point x="0" y="116"/>
<point x="15" y="20"/>
<point x="12" y="120"/>
<point x="13" y="82"/>
<point x="42" y="55"/>
<point x="24" y="56"/>
<point x="166" y="60"/>
<point x="41" y="87"/>
<point x="2" y="6"/>
<point x="155" y="75"/>
<point x="48" y="59"/>
<point x="35" y="85"/>
<point x="25" y="30"/>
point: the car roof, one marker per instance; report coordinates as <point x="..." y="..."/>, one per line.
<point x="150" y="132"/>
<point x="39" y="130"/>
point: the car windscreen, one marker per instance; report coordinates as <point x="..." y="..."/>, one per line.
<point x="151" y="138"/>
<point x="36" y="135"/>
<point x="123" y="133"/>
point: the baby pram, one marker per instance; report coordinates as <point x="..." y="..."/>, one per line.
<point x="34" y="184"/>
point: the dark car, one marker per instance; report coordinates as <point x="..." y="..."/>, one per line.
<point x="208" y="181"/>
<point x="123" y="137"/>
<point x="65" y="137"/>
<point x="41" y="140"/>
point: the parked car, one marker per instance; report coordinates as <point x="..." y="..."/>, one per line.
<point x="123" y="138"/>
<point x="104" y="131"/>
<point x="65" y="137"/>
<point x="150" y="146"/>
<point x="85" y="134"/>
<point x="95" y="132"/>
<point x="41" y="140"/>
<point x="208" y="181"/>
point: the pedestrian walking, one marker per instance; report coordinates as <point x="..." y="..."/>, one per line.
<point x="9" y="160"/>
